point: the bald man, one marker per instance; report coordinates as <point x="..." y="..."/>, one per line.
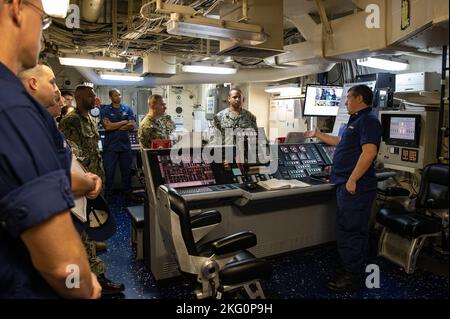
<point x="39" y="246"/>
<point x="40" y="83"/>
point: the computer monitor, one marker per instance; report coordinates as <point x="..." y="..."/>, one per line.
<point x="401" y="129"/>
<point x="322" y="100"/>
<point x="165" y="167"/>
<point x="189" y="172"/>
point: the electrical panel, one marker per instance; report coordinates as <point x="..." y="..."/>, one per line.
<point x="409" y="138"/>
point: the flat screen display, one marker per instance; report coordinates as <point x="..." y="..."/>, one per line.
<point x="322" y="100"/>
<point x="403" y="128"/>
<point x="189" y="172"/>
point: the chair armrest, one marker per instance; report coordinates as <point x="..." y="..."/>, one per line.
<point x="206" y="218"/>
<point x="394" y="191"/>
<point x="233" y="243"/>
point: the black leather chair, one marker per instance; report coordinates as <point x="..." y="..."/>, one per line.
<point x="404" y="233"/>
<point x="220" y="266"/>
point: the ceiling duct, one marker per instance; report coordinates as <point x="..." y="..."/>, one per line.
<point x="428" y="24"/>
<point x="160" y="65"/>
<point x="428" y="28"/>
<point x="424" y="16"/>
<point x="266" y="13"/>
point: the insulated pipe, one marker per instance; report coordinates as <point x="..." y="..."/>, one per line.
<point x="91" y="9"/>
<point x="244" y="11"/>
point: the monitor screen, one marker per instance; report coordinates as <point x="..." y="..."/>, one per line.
<point x="189" y="172"/>
<point x="322" y="100"/>
<point x="401" y="129"/>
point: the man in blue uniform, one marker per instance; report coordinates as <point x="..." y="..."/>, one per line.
<point x="353" y="173"/>
<point x="39" y="246"/>
<point x="118" y="120"/>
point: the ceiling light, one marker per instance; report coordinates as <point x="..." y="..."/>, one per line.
<point x="92" y="61"/>
<point x="208" y="68"/>
<point x="384" y="63"/>
<point x="207" y="28"/>
<point x="56" y="9"/>
<point x="291" y="89"/>
<point x="128" y="77"/>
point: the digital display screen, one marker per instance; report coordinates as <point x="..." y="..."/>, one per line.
<point x="322" y="100"/>
<point x="189" y="172"/>
<point x="237" y="171"/>
<point x="403" y="128"/>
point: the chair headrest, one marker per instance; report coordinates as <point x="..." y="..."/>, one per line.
<point x="436" y="173"/>
<point x="434" y="187"/>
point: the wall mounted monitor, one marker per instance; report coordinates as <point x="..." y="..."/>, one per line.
<point x="322" y="100"/>
<point x="401" y="129"/>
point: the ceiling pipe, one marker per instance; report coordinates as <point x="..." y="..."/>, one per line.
<point x="243" y="76"/>
<point x="323" y="17"/>
<point x="91" y="9"/>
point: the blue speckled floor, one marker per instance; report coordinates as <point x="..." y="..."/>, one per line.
<point x="300" y="275"/>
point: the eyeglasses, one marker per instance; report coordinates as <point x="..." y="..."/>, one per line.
<point x="46" y="19"/>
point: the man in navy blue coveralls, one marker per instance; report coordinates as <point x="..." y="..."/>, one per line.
<point x="117" y="119"/>
<point x="39" y="246"/>
<point x="353" y="173"/>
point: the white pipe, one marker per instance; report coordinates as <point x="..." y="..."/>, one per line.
<point x="243" y="76"/>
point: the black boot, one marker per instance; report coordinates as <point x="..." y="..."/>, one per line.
<point x="345" y="281"/>
<point x="109" y="287"/>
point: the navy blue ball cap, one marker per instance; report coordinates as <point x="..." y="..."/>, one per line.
<point x="101" y="223"/>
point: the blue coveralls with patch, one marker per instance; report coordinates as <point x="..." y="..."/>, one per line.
<point x="353" y="210"/>
<point x="117" y="147"/>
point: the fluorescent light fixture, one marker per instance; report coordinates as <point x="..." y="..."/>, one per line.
<point x="56" y="8"/>
<point x="291" y="89"/>
<point x="127" y="77"/>
<point x="384" y="63"/>
<point x="214" y="29"/>
<point x="208" y="68"/>
<point x="92" y="61"/>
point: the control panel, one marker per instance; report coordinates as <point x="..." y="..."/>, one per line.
<point x="205" y="189"/>
<point x="242" y="174"/>
<point x="192" y="175"/>
<point x="134" y="141"/>
<point x="327" y="152"/>
<point x="408" y="142"/>
<point x="299" y="161"/>
<point x="133" y="135"/>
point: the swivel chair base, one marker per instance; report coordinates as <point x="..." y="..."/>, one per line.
<point x="401" y="250"/>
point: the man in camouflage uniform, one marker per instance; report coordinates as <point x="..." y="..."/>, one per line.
<point x="80" y="128"/>
<point x="156" y="125"/>
<point x="232" y="118"/>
